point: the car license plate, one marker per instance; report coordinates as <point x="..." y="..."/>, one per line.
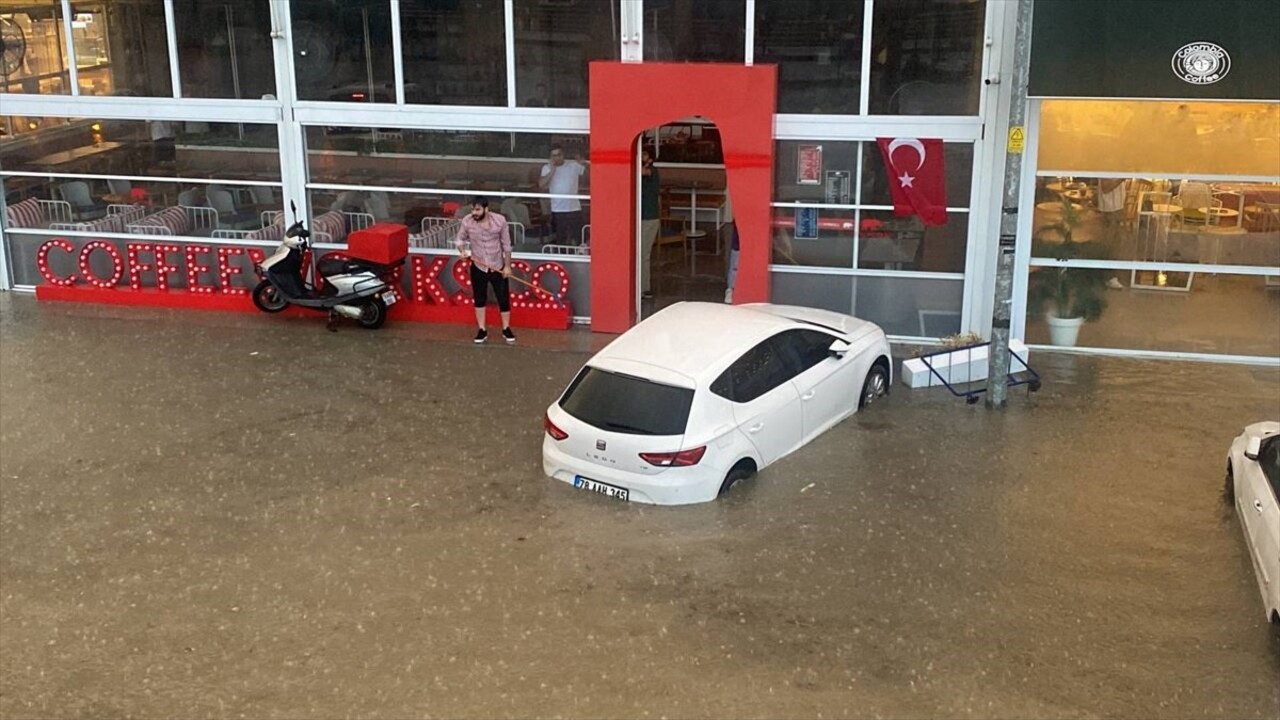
<point x="612" y="491"/>
<point x="389" y="298"/>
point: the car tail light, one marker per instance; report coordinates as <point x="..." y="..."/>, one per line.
<point x="555" y="432"/>
<point x="684" y="458"/>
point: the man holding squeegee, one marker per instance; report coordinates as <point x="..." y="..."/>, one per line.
<point x="485" y="237"/>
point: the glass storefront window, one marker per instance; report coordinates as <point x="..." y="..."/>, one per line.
<point x="224" y="48"/>
<point x="826" y="173"/>
<point x="126" y="48"/>
<point x="797" y="181"/>
<point x="817" y="45"/>
<point x="1151" y="137"/>
<point x="703" y="31"/>
<point x="342" y="50"/>
<point x="889" y="242"/>
<point x="554" y="43"/>
<point x="34" y="58"/>
<point x="454" y="53"/>
<point x="926" y="57"/>
<point x="1161" y="220"/>
<point x="144" y="148"/>
<point x="449" y="167"/>
<point x="911" y="307"/>
<point x="1221" y="314"/>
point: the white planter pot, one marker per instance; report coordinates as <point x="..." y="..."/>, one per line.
<point x="959" y="366"/>
<point x="1063" y="331"/>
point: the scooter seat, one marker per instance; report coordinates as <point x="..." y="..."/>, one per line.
<point x="336" y="266"/>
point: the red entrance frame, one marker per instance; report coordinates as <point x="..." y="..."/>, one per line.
<point x="629" y="98"/>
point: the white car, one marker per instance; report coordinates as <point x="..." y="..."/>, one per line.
<point x="701" y="395"/>
<point x="1253" y="486"/>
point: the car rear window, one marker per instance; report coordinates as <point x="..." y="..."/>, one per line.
<point x="627" y="404"/>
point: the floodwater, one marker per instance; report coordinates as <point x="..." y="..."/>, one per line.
<point x="229" y="516"/>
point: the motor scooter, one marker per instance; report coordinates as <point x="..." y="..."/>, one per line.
<point x="357" y="289"/>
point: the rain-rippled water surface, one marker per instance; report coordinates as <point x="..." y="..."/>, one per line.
<point x="210" y="515"/>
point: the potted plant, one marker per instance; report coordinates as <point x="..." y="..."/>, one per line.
<point x="1066" y="296"/>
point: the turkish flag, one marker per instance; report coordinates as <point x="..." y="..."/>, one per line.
<point x="917" y="179"/>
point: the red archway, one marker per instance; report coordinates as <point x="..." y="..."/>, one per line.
<point x="629" y="98"/>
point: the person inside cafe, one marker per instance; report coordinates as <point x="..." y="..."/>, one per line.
<point x="561" y="177"/>
<point x="649" y="221"/>
<point x="1111" y="194"/>
<point x="163" y="141"/>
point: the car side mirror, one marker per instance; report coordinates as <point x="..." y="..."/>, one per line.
<point x="1255" y="447"/>
<point x="838" y="349"/>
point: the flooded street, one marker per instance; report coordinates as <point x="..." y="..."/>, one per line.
<point x="209" y="515"/>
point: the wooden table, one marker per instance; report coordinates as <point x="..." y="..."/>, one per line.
<point x="65" y="157"/>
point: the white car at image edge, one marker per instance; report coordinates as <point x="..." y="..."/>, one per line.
<point x="1253" y="486"/>
<point x="701" y="395"/>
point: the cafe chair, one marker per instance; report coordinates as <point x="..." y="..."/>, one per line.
<point x="1195" y="199"/>
<point x="189" y="198"/>
<point x="76" y="194"/>
<point x="1137" y="187"/>
<point x="228" y="215"/>
<point x="119" y="187"/>
<point x="260" y="196"/>
<point x="378" y="204"/>
<point x="1230" y="202"/>
<point x="671" y="236"/>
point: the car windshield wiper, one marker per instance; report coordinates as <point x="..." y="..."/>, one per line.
<point x="627" y="428"/>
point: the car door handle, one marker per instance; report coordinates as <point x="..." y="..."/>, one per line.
<point x="1257" y="505"/>
<point x="809" y="395"/>
<point x="755" y="428"/>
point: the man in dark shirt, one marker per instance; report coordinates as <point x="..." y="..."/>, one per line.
<point x="649" y="221"/>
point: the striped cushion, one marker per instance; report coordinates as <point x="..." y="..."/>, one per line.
<point x="274" y="231"/>
<point x="26" y="214"/>
<point x="333" y="223"/>
<point x="110" y="223"/>
<point x="173" y="219"/>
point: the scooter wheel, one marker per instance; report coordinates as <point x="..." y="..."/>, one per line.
<point x="268" y="299"/>
<point x="373" y="314"/>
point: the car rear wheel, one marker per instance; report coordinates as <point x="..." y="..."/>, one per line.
<point x="1229" y="487"/>
<point x="741" y="471"/>
<point x="876" y="385"/>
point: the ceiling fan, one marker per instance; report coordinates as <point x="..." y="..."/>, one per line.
<point x="13" y="46"/>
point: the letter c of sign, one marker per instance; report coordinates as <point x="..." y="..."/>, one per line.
<point x="42" y="262"/>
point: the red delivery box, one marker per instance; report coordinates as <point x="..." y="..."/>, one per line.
<point x="384" y="243"/>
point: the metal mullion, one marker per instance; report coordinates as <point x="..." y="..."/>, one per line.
<point x="867" y="272"/>
<point x="509" y="20"/>
<point x="864" y="84"/>
<point x="857" y="211"/>
<point x="1022" y="248"/>
<point x="290" y="138"/>
<point x="171" y="32"/>
<point x="436" y="191"/>
<point x="397" y="51"/>
<point x="749" y="52"/>
<point x="73" y="67"/>
<point x="1167" y="266"/>
<point x="139" y="178"/>
<point x="1263" y="360"/>
<point x="187" y="239"/>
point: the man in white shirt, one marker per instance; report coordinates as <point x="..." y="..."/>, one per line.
<point x="560" y="177"/>
<point x="163" y="141"/>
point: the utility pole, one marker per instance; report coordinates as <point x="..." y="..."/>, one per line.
<point x="997" y="379"/>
